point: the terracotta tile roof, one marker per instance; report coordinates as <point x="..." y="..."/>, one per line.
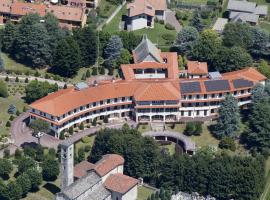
<point x="56" y="103"/>
<point x="197" y="68"/>
<point x="250" y="74"/>
<point x="148" y="7"/>
<point x="81" y="168"/>
<point x="157" y="91"/>
<point x="5" y="6"/>
<point x="20" y="8"/>
<point x="108" y="163"/>
<point x="120" y="183"/>
<point x="66" y="12"/>
<point x="171" y="65"/>
<point x="140" y="7"/>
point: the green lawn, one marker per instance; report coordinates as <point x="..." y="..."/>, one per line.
<point x="155" y="34"/>
<point x="4" y="116"/>
<point x="265" y="25"/>
<point x="144" y="128"/>
<point x="106" y="8"/>
<point x="144" y="193"/>
<point x="170" y="147"/>
<point x="113" y="26"/>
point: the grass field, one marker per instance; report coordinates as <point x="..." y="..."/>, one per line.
<point x="106" y="8"/>
<point x="113" y="26"/>
<point x="265" y="25"/>
<point x="144" y="192"/>
<point x="4" y="116"/>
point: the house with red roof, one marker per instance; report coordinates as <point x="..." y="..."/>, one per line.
<point x="141" y="13"/>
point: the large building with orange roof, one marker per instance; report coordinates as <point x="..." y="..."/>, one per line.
<point x="68" y="16"/>
<point x="150" y="91"/>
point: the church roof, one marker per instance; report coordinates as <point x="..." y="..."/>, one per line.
<point x="144" y="49"/>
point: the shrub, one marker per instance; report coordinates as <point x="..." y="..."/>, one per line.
<point x="26" y="80"/>
<point x="86" y="139"/>
<point x="7" y="79"/>
<point x="18" y="113"/>
<point x="168" y="36"/>
<point x="81" y="127"/>
<point x="62" y="135"/>
<point x="227" y="143"/>
<point x="94" y="123"/>
<point x="190" y="128"/>
<point x="169" y="27"/>
<point x="47" y="76"/>
<point x="161" y="21"/>
<point x="8" y="124"/>
<point x="71" y="131"/>
<point x="94" y="71"/>
<point x="87" y="148"/>
<point x="87" y="74"/>
<point x="24" y="109"/>
<point x="3" y="89"/>
<point x="198" y="128"/>
<point x="37" y="74"/>
<point x="16" y="79"/>
<point x="11" y="118"/>
<point x="18" y="154"/>
<point x="102" y="70"/>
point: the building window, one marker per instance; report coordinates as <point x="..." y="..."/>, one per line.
<point x="235" y="92"/>
<point x="198" y="96"/>
<point x="213" y="95"/>
<point x="101" y="102"/>
<point x="205" y="112"/>
<point x="205" y="96"/>
<point x="108" y="101"/>
<point x="123" y="98"/>
<point x="190" y="96"/>
<point x="189" y="113"/>
<point x="94" y="104"/>
<point x="220" y="95"/>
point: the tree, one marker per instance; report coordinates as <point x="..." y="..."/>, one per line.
<point x="87" y="74"/>
<point x="260" y="42"/>
<point x="35" y="178"/>
<point x="3" y="89"/>
<point x="197" y="21"/>
<point x="258" y="133"/>
<point x="2" y="64"/>
<point x="70" y="130"/>
<point x="231" y="59"/>
<point x="15" y="190"/>
<point x="125" y="57"/>
<point x="237" y="34"/>
<point x="87" y="41"/>
<point x="185" y="40"/>
<point x="67" y="57"/>
<point x="62" y="135"/>
<point x="24" y="181"/>
<point x="9" y="35"/>
<point x="130" y="40"/>
<point x="206" y="46"/>
<point x="50" y="169"/>
<point x="228" y="123"/>
<point x="18" y="154"/>
<point x="5" y="168"/>
<point x="227" y="143"/>
<point x="36" y="90"/>
<point x="264" y="68"/>
<point x="190" y="128"/>
<point x="113" y="48"/>
<point x="26" y="163"/>
<point x="4" y="192"/>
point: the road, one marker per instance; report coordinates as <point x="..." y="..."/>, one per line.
<point x="22" y="135"/>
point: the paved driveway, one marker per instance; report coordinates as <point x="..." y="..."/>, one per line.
<point x="22" y="135"/>
<point x="171" y="19"/>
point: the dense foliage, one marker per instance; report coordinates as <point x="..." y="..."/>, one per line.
<point x="222" y="176"/>
<point x="36" y="90"/>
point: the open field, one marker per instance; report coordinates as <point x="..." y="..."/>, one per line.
<point x="144" y="192"/>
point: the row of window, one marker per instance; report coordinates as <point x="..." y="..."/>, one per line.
<point x="219" y="95"/>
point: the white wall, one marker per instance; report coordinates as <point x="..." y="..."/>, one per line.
<point x="130" y="195"/>
<point x="118" y="169"/>
<point x="138" y="22"/>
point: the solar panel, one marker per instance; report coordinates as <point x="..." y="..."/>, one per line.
<point x="242" y="83"/>
<point x="217" y="85"/>
<point x="190" y="87"/>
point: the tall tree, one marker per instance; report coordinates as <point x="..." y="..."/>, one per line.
<point x="228" y="123"/>
<point x="50" y="169"/>
<point x="206" y="46"/>
<point x="87" y="41"/>
<point x="25" y="183"/>
<point x="39" y="125"/>
<point x="5" y="167"/>
<point x="260" y="42"/>
<point x="237" y="34"/>
<point x="15" y="190"/>
<point x="231" y="59"/>
<point x="185" y="40"/>
<point x="9" y="35"/>
<point x="35" y="178"/>
<point x="67" y="58"/>
<point x="113" y="48"/>
<point x="197" y="21"/>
